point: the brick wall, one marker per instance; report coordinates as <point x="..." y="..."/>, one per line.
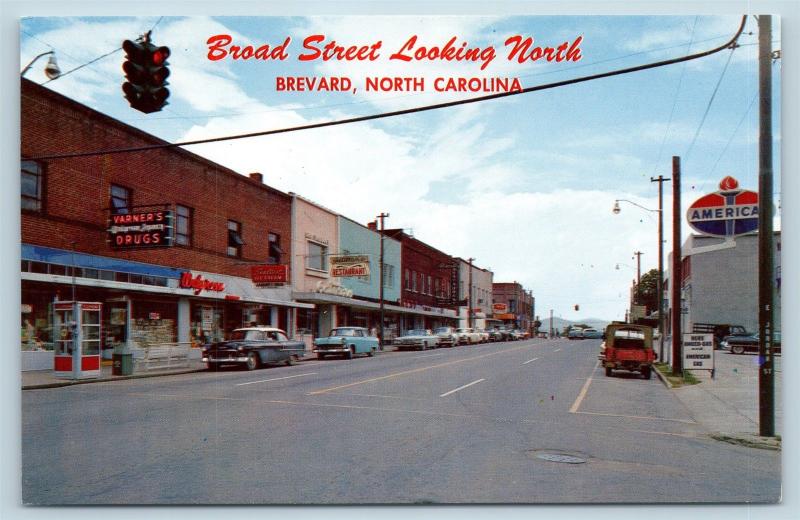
<point x="77" y="190"/>
<point x="421" y="258"/>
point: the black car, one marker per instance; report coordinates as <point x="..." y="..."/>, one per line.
<point x="741" y="344"/>
<point x="252" y="348"/>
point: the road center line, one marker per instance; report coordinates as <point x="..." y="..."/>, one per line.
<point x="276" y="379"/>
<point x="583" y="391"/>
<point x="534" y="359"/>
<point x="461" y="388"/>
<point x="421" y="369"/>
<point x="557" y="350"/>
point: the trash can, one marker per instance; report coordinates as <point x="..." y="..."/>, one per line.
<point x="121" y="362"/>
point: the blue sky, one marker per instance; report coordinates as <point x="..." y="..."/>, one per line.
<point x="524" y="184"/>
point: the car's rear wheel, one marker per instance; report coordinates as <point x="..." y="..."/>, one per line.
<point x="737" y="349"/>
<point x="292" y="360"/>
<point x="252" y="361"/>
<point x="371" y="352"/>
<point x="608" y="371"/>
<point x="321" y="356"/>
<point x="212" y="367"/>
<point x="646" y="373"/>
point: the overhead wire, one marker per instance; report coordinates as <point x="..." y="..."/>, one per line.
<point x="408" y="111"/>
<point x="708" y="106"/>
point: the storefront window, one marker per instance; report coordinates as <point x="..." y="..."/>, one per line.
<point x="153" y="322"/>
<point x="317" y="256"/>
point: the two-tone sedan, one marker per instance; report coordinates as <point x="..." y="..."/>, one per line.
<point x="347" y="342"/>
<point x="253" y="347"/>
<point x="420" y="339"/>
<point x="447" y="336"/>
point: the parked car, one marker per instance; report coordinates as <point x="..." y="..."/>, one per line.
<point x="347" y="342"/>
<point x="483" y="335"/>
<point x="516" y="335"/>
<point x="495" y="335"/>
<point x="592" y="334"/>
<point x="467" y="336"/>
<point x="741" y="344"/>
<point x="420" y="339"/>
<point x="447" y="336"/>
<point x="575" y="334"/>
<point x="628" y="347"/>
<point x="252" y="348"/>
<point x="720" y="331"/>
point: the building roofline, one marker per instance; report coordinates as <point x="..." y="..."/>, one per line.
<point x="141" y="134"/>
<point x="367" y="228"/>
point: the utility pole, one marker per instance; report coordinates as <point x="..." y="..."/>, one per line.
<point x="638" y="255"/>
<point x="551" y="323"/>
<point x="766" y="381"/>
<point x="675" y="278"/>
<point x="380" y="280"/>
<point x="469" y="300"/>
<point x="660" y="287"/>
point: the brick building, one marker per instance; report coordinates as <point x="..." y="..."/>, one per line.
<point x="515" y="305"/>
<point x="140" y="231"/>
<point x="429" y="283"/>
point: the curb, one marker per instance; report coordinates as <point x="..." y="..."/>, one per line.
<point x="109" y="379"/>
<point x="749" y="440"/>
<point x="663" y="379"/>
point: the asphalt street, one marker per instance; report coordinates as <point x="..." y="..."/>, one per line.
<point x="456" y="425"/>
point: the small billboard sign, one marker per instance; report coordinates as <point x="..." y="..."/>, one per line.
<point x="349" y="265"/>
<point x="698" y="352"/>
<point x="269" y="274"/>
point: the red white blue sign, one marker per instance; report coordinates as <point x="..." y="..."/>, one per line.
<point x="729" y="212"/>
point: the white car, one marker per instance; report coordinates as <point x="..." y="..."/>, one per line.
<point x="484" y="335"/>
<point x="447" y="336"/>
<point x="468" y="336"/>
<point x="420" y="339"/>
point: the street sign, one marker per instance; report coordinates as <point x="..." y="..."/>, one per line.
<point x="698" y="352"/>
<point x="728" y="212"/>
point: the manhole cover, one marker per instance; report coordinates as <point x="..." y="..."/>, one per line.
<point x="560" y="457"/>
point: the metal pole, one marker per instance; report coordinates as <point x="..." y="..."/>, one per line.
<point x="380" y="281"/>
<point x="638" y="267"/>
<point x="469" y="301"/>
<point x="766" y="381"/>
<point x="551" y="323"/>
<point x="675" y="277"/>
<point x="659" y="288"/>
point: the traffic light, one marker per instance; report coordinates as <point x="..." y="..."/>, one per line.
<point x="577" y="307"/>
<point x="146" y="72"/>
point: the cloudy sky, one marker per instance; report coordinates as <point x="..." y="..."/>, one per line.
<point x="525" y="185"/>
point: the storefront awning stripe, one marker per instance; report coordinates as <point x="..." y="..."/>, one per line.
<point x="72" y="258"/>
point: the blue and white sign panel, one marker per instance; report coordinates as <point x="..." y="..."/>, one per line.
<point x="729" y="212"/>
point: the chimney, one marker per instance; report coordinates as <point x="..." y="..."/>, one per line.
<point x="257" y="177"/>
<point x="373" y="226"/>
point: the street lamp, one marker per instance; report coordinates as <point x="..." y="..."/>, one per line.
<point x="616" y="210"/>
<point x="51" y="70"/>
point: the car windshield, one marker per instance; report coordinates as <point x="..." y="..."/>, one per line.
<point x="343" y="332"/>
<point x="246" y="335"/>
<point x="417" y="332"/>
<point x="442" y="330"/>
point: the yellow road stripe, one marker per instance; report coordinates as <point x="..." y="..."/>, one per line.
<point x="636" y="417"/>
<point x="422" y="369"/>
<point x="583" y="391"/>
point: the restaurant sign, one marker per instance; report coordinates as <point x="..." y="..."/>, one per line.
<point x="349" y="265"/>
<point x="269" y="274"/>
<point x="141" y="229"/>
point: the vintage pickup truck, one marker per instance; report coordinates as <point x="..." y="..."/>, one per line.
<point x="628" y="347"/>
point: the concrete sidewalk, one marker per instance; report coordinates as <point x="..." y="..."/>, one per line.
<point x="38" y="379"/>
<point x="727" y="406"/>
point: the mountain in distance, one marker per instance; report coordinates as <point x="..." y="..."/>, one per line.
<point x="560" y="323"/>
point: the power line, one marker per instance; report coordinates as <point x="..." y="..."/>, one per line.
<point x="674" y="101"/>
<point x="744" y="116"/>
<point x="708" y="107"/>
<point x="415" y="110"/>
